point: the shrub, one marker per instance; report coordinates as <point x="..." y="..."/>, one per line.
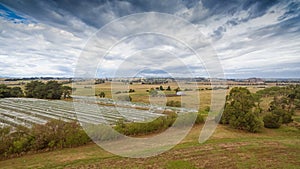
<point x="272" y="121"/>
<point x="159" y="124"/>
<point x="54" y="134"/>
<point x="173" y="103"/>
<point x="285" y="115"/>
<point x="100" y="132"/>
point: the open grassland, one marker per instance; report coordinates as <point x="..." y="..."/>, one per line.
<point x="227" y="148"/>
<point x="199" y="92"/>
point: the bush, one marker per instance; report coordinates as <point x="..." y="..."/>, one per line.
<point x="54" y="134"/>
<point x="199" y="119"/>
<point x="272" y="121"/>
<point x="173" y="103"/>
<point x="100" y="132"/>
<point x="248" y="122"/>
<point x="186" y="119"/>
<point x="6" y="91"/>
<point x="159" y="124"/>
<point x="285" y="115"/>
<point x="102" y="95"/>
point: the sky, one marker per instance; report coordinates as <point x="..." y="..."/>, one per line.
<point x="249" y="38"/>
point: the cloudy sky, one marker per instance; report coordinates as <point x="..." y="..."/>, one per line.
<point x="250" y="38"/>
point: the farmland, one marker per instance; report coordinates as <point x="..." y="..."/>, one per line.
<point x="230" y="147"/>
<point x="227" y="148"/>
<point x="26" y="112"/>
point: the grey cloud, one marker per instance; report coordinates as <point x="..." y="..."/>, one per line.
<point x="251" y="37"/>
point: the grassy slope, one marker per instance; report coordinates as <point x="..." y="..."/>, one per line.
<point x="227" y="148"/>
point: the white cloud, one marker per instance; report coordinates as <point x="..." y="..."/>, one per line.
<point x="253" y="40"/>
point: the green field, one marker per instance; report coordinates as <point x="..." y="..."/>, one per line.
<point x="227" y="148"/>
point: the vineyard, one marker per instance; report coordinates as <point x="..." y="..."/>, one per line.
<point x="26" y="112"/>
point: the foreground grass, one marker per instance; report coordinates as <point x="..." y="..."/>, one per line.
<point x="227" y="148"/>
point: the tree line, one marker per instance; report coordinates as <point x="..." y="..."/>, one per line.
<point x="242" y="109"/>
<point x="52" y="135"/>
<point x="37" y="89"/>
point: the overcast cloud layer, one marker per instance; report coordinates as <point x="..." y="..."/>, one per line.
<point x="251" y="38"/>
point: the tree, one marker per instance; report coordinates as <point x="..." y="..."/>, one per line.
<point x="283" y="114"/>
<point x="161" y="88"/>
<point x="169" y="88"/>
<point x="16" y="92"/>
<point x="272" y="121"/>
<point x="35" y="89"/>
<point x="239" y="110"/>
<point x="40" y="90"/>
<point x="4" y="91"/>
<point x="177" y="89"/>
<point x="53" y="90"/>
<point x="102" y="94"/>
<point x="67" y="90"/>
<point x="131" y="90"/>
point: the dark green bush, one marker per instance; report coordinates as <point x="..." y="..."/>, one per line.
<point x="52" y="135"/>
<point x="272" y="121"/>
<point x="159" y="124"/>
<point x="285" y="115"/>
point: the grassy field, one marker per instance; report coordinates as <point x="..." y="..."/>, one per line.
<point x="141" y="94"/>
<point x="227" y="148"/>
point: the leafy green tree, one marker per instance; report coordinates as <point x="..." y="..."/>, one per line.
<point x="50" y="90"/>
<point x="161" y="88"/>
<point x="16" y="92"/>
<point x="35" y="89"/>
<point x="283" y="114"/>
<point x="169" y="88"/>
<point x="272" y="121"/>
<point x="239" y="110"/>
<point x="4" y="91"/>
<point x="131" y="90"/>
<point x="66" y="90"/>
<point x="53" y="90"/>
<point x="102" y="94"/>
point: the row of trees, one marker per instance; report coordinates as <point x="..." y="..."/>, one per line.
<point x="160" y="124"/>
<point x="58" y="134"/>
<point x="37" y="89"/>
<point x="48" y="90"/>
<point x="285" y="101"/>
<point x="242" y="109"/>
<point x="54" y="134"/>
<point x="6" y="91"/>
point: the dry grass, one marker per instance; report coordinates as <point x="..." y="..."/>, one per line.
<point x="228" y="148"/>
